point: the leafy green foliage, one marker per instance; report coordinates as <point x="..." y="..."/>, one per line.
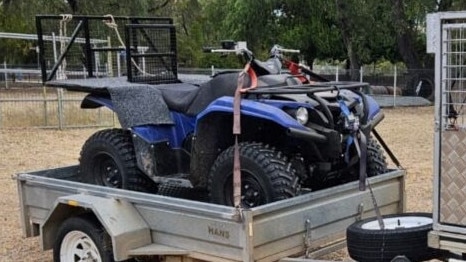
<point x="356" y="31"/>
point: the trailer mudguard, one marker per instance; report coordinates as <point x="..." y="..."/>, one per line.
<point x="127" y="229"/>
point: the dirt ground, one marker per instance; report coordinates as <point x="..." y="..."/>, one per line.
<point x="408" y="132"/>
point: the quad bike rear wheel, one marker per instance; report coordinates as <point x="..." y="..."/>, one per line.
<point x="266" y="176"/>
<point x="108" y="159"/>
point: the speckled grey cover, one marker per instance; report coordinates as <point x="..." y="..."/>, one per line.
<point x="135" y="104"/>
<point x="139" y="105"/>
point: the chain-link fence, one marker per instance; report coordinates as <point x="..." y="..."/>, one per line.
<point x="24" y="102"/>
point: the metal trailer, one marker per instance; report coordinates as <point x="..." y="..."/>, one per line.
<point x="446" y="38"/>
<point x="141" y="224"/>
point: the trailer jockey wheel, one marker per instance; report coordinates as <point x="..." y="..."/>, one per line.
<point x="404" y="237"/>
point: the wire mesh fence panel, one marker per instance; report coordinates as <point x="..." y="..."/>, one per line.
<point x="49" y="108"/>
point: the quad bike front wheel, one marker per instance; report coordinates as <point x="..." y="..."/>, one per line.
<point x="376" y="162"/>
<point x="108" y="159"/>
<point x="266" y="176"/>
<point x="403" y="235"/>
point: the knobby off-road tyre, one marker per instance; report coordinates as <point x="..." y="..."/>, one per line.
<point x="266" y="176"/>
<point x="108" y="159"/>
<point x="404" y="235"/>
<point x="82" y="239"/>
<point x="376" y="161"/>
<point x="173" y="190"/>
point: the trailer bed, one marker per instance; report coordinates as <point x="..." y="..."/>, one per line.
<point x="149" y="224"/>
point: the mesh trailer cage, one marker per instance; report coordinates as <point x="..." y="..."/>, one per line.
<point x="73" y="47"/>
<point x="446" y="38"/>
<point x="151" y="53"/>
<point x="454" y="74"/>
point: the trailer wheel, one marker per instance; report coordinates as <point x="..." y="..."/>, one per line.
<point x="376" y="162"/>
<point x="404" y="235"/>
<point x="266" y="176"/>
<point x="108" y="159"/>
<point x="82" y="239"/>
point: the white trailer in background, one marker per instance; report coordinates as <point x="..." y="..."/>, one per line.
<point x="446" y="38"/>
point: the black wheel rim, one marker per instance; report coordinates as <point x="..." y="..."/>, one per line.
<point x="252" y="193"/>
<point x="106" y="171"/>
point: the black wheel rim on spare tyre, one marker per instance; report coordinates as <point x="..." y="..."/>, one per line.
<point x="108" y="171"/>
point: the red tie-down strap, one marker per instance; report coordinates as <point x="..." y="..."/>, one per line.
<point x="295" y="70"/>
<point x="237" y="128"/>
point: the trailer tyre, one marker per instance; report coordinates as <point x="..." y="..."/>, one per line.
<point x="82" y="239"/>
<point x="266" y="176"/>
<point x="108" y="159"/>
<point x="404" y="235"/>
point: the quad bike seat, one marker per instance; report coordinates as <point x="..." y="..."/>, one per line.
<point x="191" y="99"/>
<point x="179" y="97"/>
<point x="277" y="80"/>
<point x="270" y="67"/>
<point x="221" y="85"/>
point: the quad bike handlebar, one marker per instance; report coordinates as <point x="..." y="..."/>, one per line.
<point x="271" y="66"/>
<point x="240" y="48"/>
<point x="277" y="50"/>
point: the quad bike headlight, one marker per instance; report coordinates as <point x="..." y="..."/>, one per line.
<point x="302" y="116"/>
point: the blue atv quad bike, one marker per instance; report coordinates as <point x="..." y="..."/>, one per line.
<point x="296" y="137"/>
<point x="299" y="131"/>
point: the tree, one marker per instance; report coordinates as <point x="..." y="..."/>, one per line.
<point x="358" y="31"/>
<point x="405" y="32"/>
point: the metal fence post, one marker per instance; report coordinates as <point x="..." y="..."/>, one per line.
<point x="361" y="74"/>
<point x="6" y="75"/>
<point x="394" y="85"/>
<point x="60" y="108"/>
<point x="44" y="96"/>
<point x="1" y="113"/>
<point x="336" y="74"/>
<point x="109" y="58"/>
